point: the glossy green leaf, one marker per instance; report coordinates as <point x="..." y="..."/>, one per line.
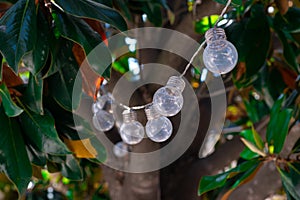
<point x="296" y="147"/>
<point x="36" y="157"/>
<point x="252" y="136"/>
<point x="205" y="23"/>
<point x="295" y="175"/>
<point x="290" y="21"/>
<point x="251" y="36"/>
<point x="71" y="169"/>
<point x="57" y="158"/>
<point x="278" y="126"/>
<point x="282" y="27"/>
<point x="123" y="6"/>
<point x="80" y="32"/>
<point x="208" y="183"/>
<point x="36" y="59"/>
<point x="13" y="157"/>
<point x="94" y="10"/>
<point x="64" y="70"/>
<point x="247" y="154"/>
<point x="65" y="122"/>
<point x="40" y="131"/>
<point x="18" y="31"/>
<point x="1" y="66"/>
<point x="288" y="184"/>
<point x="10" y="108"/>
<point x="33" y="94"/>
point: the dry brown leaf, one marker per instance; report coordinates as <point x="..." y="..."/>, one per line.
<point x="282" y="5"/>
<point x="241" y="70"/>
<point x="81" y="148"/>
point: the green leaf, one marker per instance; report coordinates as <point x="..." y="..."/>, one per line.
<point x="296" y="147"/>
<point x="122" y="5"/>
<point x="33" y="94"/>
<point x="100" y="149"/>
<point x="36" y="157"/>
<point x="71" y="169"/>
<point x="1" y="66"/>
<point x="288" y="22"/>
<point x="208" y="183"/>
<point x="64" y="70"/>
<point x="153" y="12"/>
<point x="251" y="36"/>
<point x="252" y="136"/>
<point x="94" y="10"/>
<point x="288" y="183"/>
<point x="233" y="3"/>
<point x="288" y="52"/>
<point x="10" y="108"/>
<point x="18" y="32"/>
<point x="40" y="131"/>
<point x="247" y="154"/>
<point x="13" y="157"/>
<point x="278" y="126"/>
<point x="295" y="175"/>
<point x="205" y="23"/>
<point x="80" y="32"/>
<point x="36" y="59"/>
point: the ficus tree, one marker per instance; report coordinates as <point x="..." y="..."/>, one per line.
<point x="43" y="44"/>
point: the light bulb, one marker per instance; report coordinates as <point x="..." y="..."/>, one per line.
<point x="131" y="131"/>
<point x="220" y="56"/>
<point x="120" y="149"/>
<point x="168" y="99"/>
<point x="158" y="128"/>
<point x="103" y="121"/>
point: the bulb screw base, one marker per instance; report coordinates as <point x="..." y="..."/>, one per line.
<point x="214" y="34"/>
<point x="151" y="112"/>
<point x="129" y="116"/>
<point x="176" y="82"/>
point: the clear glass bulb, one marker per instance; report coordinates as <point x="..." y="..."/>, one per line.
<point x="120" y="149"/>
<point x="220" y="56"/>
<point x="168" y="99"/>
<point x="131" y="131"/>
<point x="103" y="121"/>
<point x="158" y="128"/>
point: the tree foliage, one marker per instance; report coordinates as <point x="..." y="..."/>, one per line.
<point x="43" y="44"/>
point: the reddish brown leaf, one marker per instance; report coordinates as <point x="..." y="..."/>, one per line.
<point x="4" y="6"/>
<point x="241" y="70"/>
<point x="282" y="5"/>
<point x="98" y="28"/>
<point x="9" y="77"/>
<point x="91" y="81"/>
<point x="289" y="77"/>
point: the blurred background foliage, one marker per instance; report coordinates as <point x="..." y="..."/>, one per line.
<point x="43" y="44"/>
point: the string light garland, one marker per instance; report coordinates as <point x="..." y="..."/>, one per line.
<point x="219" y="56"/>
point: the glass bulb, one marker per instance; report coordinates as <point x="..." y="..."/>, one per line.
<point x="220" y="56"/>
<point x="103" y="121"/>
<point x="120" y="149"/>
<point x="131" y="131"/>
<point x="158" y="128"/>
<point x="168" y="99"/>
